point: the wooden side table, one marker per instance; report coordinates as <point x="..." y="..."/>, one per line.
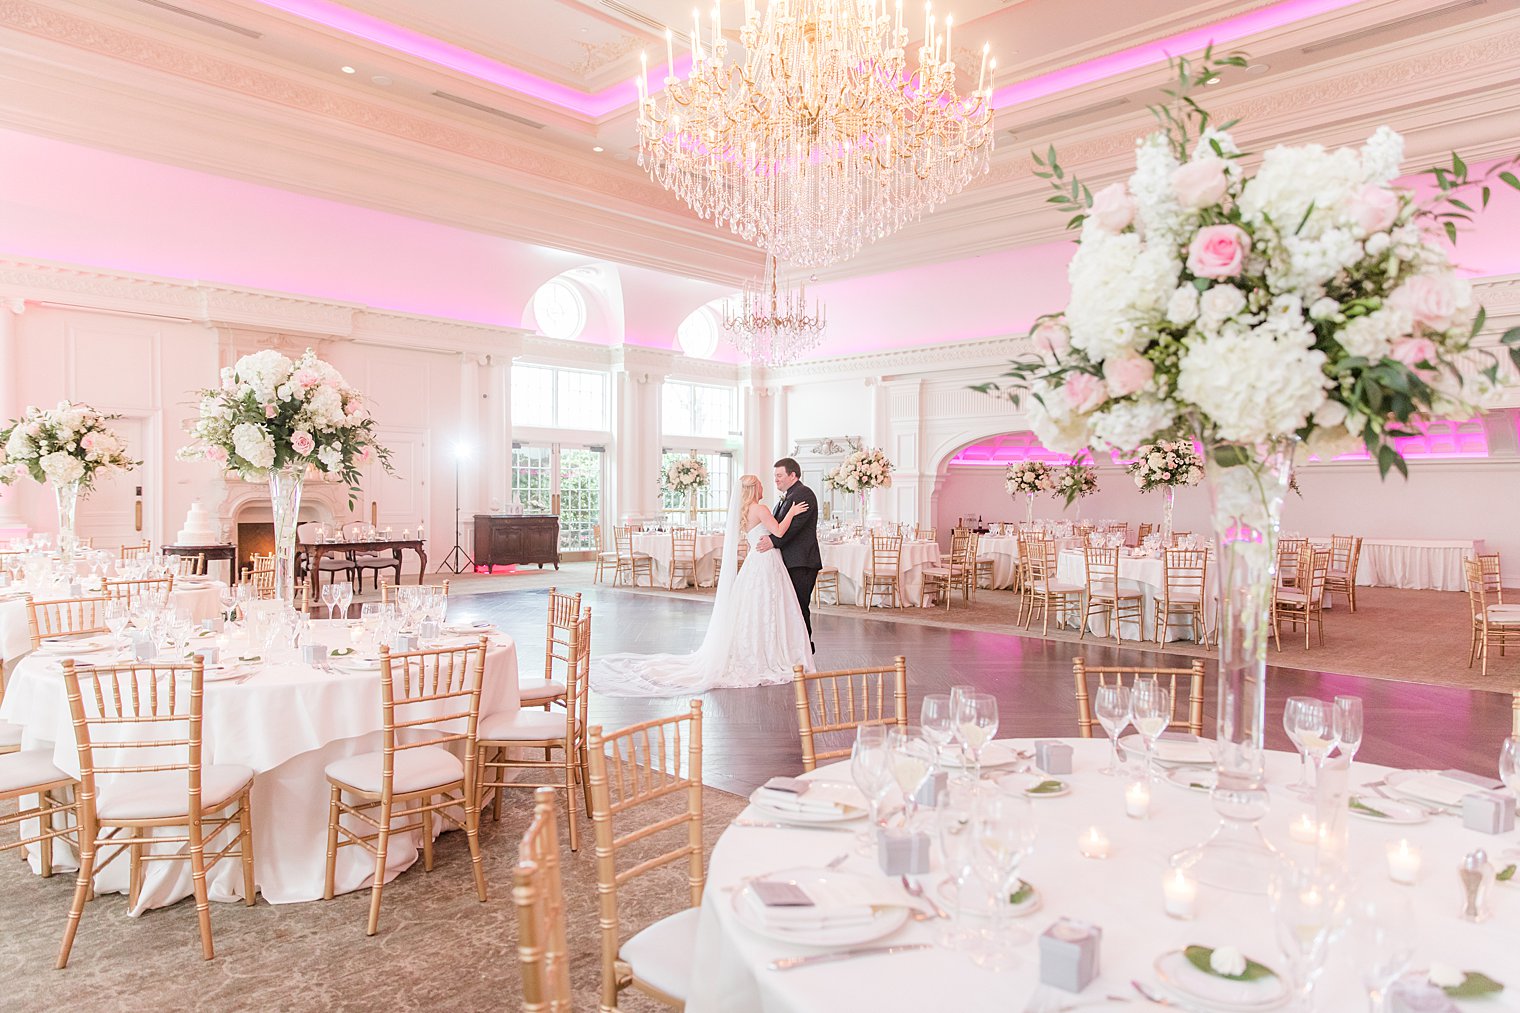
<point x="213" y="553"/>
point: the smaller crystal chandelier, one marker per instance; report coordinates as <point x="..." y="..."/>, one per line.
<point x="769" y="322"/>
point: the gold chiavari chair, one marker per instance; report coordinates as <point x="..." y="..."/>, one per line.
<point x="829" y="702"/>
<point x="957" y="572"/>
<point x="883" y="574"/>
<point x="388" y="590"/>
<point x="130" y="591"/>
<point x="1177" y="537"/>
<point x="740" y="557"/>
<point x="413" y="780"/>
<point x="1043" y="590"/>
<point x="1345" y="554"/>
<point x="543" y="950"/>
<point x="261" y="575"/>
<point x="35" y="790"/>
<point x="828" y="580"/>
<point x="1305" y="602"/>
<point x="683" y="555"/>
<point x="506" y="739"/>
<point x="1493" y="624"/>
<point x="138" y="732"/>
<point x="631" y="770"/>
<point x="1288" y="552"/>
<point x="926" y="534"/>
<point x="1192" y="722"/>
<point x="187" y="566"/>
<point x="64" y="617"/>
<point x="605" y="558"/>
<point x="563" y="620"/>
<point x="1493" y="581"/>
<point x="136" y="551"/>
<point x="1143" y="532"/>
<point x="984" y="565"/>
<point x="1185" y="575"/>
<point x="1103" y="596"/>
<point x="629" y="563"/>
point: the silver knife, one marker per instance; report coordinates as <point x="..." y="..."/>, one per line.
<point x="762" y="825"/>
<point x="788" y="963"/>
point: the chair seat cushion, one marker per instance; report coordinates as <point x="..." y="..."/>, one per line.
<point x="1291" y="596"/>
<point x="829" y="571"/>
<point x="1109" y="591"/>
<point x="10" y="735"/>
<point x="416" y="769"/>
<point x="1184" y="597"/>
<point x="610" y="556"/>
<point x="1336" y="571"/>
<point x="166" y="793"/>
<point x="539" y="690"/>
<point x="335" y="563"/>
<point x="1059" y="587"/>
<point x="661" y="954"/>
<point x="1496" y="614"/>
<point x="376" y="559"/>
<point x="522" y="726"/>
<point x="29" y="769"/>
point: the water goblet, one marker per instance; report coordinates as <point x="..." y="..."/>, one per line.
<point x="936" y="722"/>
<point x="976" y="722"/>
<point x="871" y="770"/>
<point x="1003" y="835"/>
<point x="912" y="765"/>
<point x="1314" y="724"/>
<point x="1290" y="725"/>
<point x="118" y="617"/>
<point x="1111" y="704"/>
<point x="1306" y="904"/>
<point x="1151" y="712"/>
<point x="343" y="596"/>
<point x="1383" y="933"/>
<point x="329" y="598"/>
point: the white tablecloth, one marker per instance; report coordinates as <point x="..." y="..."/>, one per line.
<point x="203" y="601"/>
<point x="1432" y="564"/>
<point x="1121" y="895"/>
<point x="661" y="548"/>
<point x="1004" y="550"/>
<point x="852" y="559"/>
<point x="288" y="723"/>
<point x="1146" y="575"/>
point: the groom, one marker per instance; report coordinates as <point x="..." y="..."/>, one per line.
<point x="799" y="546"/>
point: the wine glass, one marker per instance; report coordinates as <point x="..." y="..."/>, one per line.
<point x="1314" y="724"/>
<point x="936" y="722"/>
<point x="954" y="832"/>
<point x="1111" y="704"/>
<point x="369" y="622"/>
<point x="329" y="598"/>
<point x="976" y="722"/>
<point x="1002" y="836"/>
<point x="1509" y="763"/>
<point x="118" y="617"/>
<point x="871" y="770"/>
<point x="1290" y="725"/>
<point x="1305" y="905"/>
<point x="912" y="764"/>
<point x="343" y="596"/>
<point x="1348" y="726"/>
<point x="1383" y="931"/>
<point x="1151" y="711"/>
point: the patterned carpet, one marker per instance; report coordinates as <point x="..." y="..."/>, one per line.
<point x="438" y="947"/>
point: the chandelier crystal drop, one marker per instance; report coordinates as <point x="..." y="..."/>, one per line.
<point x="819" y="138"/>
<point x="769" y="322"/>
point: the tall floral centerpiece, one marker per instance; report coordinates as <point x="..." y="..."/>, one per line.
<point x="1165" y="465"/>
<point x="1027" y="478"/>
<point x="861" y="472"/>
<point x="683" y="477"/>
<point x="67" y="447"/>
<point x="1307" y="303"/>
<point x="274" y="419"/>
<point x="1072" y="483"/>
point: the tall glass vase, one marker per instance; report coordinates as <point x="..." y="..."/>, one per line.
<point x="1029" y="508"/>
<point x="1247" y="484"/>
<point x="1168" y="494"/>
<point x="863" y="494"/>
<point x="67" y="496"/>
<point x="285" y="504"/>
<point x="691" y="505"/>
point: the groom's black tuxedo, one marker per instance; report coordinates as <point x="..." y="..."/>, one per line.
<point x="799" y="547"/>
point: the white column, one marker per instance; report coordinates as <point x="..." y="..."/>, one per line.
<point x="756" y="404"/>
<point x="781" y="443"/>
<point x="10" y="403"/>
<point x="467" y="445"/>
<point x="625" y="437"/>
<point x="496" y="419"/>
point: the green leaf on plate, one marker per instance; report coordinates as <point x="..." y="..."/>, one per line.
<point x="1506" y="874"/>
<point x="1474" y="985"/>
<point x="1200" y="786"/>
<point x="1022" y="894"/>
<point x="1045" y="788"/>
<point x="1199" y="956"/>
<point x="342" y="652"/>
<point x="249" y="657"/>
<point x="1358" y="806"/>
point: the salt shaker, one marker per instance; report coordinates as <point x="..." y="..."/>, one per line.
<point x="1477" y="875"/>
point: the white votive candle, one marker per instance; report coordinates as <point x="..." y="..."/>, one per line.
<point x="1181" y="894"/>
<point x="1137" y="800"/>
<point x="1403" y="862"/>
<point x="1304" y="830"/>
<point x="1093" y="844"/>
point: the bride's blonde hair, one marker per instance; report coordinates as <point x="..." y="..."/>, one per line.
<point x="750" y="492"/>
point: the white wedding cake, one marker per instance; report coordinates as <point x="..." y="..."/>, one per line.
<point x="199" y="528"/>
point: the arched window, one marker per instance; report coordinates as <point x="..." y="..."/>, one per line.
<point x="559" y="310"/>
<point x="698" y="334"/>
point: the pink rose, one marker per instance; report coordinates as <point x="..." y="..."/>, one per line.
<point x="88" y="441"/>
<point x="216" y="454"/>
<point x="1218" y="251"/>
<point x="1375" y="208"/>
<point x="1113" y="208"/>
<point x="1084" y="392"/>
<point x="302" y="443"/>
<point x="1433" y="300"/>
<point x="304" y="378"/>
<point x="1201" y="182"/>
<point x="1050" y="337"/>
<point x="363" y="455"/>
<point x="1415" y="353"/>
<point x="270" y="411"/>
<point x="1127" y="374"/>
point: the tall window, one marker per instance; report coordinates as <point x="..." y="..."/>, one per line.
<point x="548" y="397"/>
<point x="549" y="478"/>
<point x="712" y="500"/>
<point x="696" y="409"/>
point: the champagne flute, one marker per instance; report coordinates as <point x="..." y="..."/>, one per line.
<point x="1509" y="763"/>
<point x="1383" y="935"/>
<point x="976" y="722"/>
<point x="871" y="770"/>
<point x="1314" y="722"/>
<point x="1151" y="711"/>
<point x="912" y="765"/>
<point x="1111" y="704"/>
<point x="936" y="722"/>
<point x="329" y="598"/>
<point x="344" y="596"/>
<point x="955" y="835"/>
<point x="1348" y="726"/>
<point x="1290" y="725"/>
<point x="1002" y="836"/>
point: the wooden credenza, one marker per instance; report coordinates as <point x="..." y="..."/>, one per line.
<point x="503" y="539"/>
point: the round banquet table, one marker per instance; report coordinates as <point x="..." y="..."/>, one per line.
<point x="1004" y="550"/>
<point x="660" y="546"/>
<point x="287" y="722"/>
<point x="1122" y="895"/>
<point x="202" y="598"/>
<point x="1146" y="574"/>
<point x="852" y="559"/>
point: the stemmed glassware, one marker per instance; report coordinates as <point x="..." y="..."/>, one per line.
<point x="343" y="596"/>
<point x="118" y="617"/>
<point x="1348" y="726"/>
<point x="329" y="598"/>
<point x="913" y="762"/>
<point x="1290" y="725"/>
<point x="1383" y="933"/>
<point x="1306" y="906"/>
<point x="871" y="770"/>
<point x="1509" y="763"/>
<point x="955" y="832"/>
<point x="976" y="722"/>
<point x="936" y="723"/>
<point x="1111" y="704"/>
<point x="1151" y="711"/>
<point x="1002" y="837"/>
<point x="1312" y="725"/>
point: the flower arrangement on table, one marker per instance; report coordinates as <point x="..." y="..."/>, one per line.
<point x="1027" y="477"/>
<point x="684" y="476"/>
<point x="67" y="444"/>
<point x="862" y="471"/>
<point x="1073" y="481"/>
<point x="1167" y="464"/>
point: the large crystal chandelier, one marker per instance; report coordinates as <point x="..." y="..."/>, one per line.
<point x="821" y="138"/>
<point x="769" y="321"/>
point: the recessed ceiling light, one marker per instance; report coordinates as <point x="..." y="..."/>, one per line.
<point x="348" y="70"/>
<point x="381" y="80"/>
<point x="598" y="148"/>
<point x="1258" y="68"/>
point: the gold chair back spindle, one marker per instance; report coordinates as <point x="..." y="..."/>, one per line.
<point x="1493" y="624"/>
<point x="131" y="590"/>
<point x="884" y="574"/>
<point x="841" y="701"/>
<point x="1106" y="675"/>
<point x="543" y="950"/>
<point x="64" y="617"/>
<point x="136" y="551"/>
<point x="1345" y="554"/>
<point x="683" y="555"/>
<point x="1185" y="576"/>
<point x="1104" y="596"/>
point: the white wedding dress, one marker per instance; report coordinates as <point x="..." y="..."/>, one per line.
<point x="755" y="636"/>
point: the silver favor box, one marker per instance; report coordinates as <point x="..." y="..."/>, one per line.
<point x="901" y="853"/>
<point x="932" y="791"/>
<point x="1489" y="812"/>
<point x="1052" y="757"/>
<point x="404" y="642"/>
<point x="208" y="654"/>
<point x="314" y="654"/>
<point x="1069" y="954"/>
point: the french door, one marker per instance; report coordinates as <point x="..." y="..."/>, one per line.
<point x="565" y="479"/>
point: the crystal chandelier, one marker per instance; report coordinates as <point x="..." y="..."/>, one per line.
<point x="821" y="138"/>
<point x="769" y="322"/>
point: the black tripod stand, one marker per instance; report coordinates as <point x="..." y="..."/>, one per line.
<point x="458" y="560"/>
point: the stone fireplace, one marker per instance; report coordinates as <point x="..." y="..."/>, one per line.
<point x="246" y="516"/>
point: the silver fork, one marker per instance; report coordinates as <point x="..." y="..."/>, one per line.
<point x="916" y="891"/>
<point x="1150" y="995"/>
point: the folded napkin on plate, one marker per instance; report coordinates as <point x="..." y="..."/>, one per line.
<point x="1446" y="787"/>
<point x="838" y="901"/>
<point x="1180" y="747"/>
<point x="477" y="627"/>
<point x="74" y="643"/>
<point x="816" y="797"/>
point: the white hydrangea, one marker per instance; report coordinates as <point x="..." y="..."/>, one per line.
<point x="253" y="445"/>
<point x="1125" y="282"/>
<point x="1307" y="262"/>
<point x="1307" y="185"/>
<point x="1254" y="386"/>
<point x="1373" y="335"/>
<point x="263" y="372"/>
<point x="1159" y="218"/>
<point x="1382" y="155"/>
<point x="1058" y="429"/>
<point x="61" y="467"/>
<point x="1125" y="425"/>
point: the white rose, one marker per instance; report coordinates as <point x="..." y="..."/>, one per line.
<point x="1227" y="960"/>
<point x="1445" y="975"/>
<point x="1377" y="244"/>
<point x="1221" y="302"/>
<point x="1324" y="308"/>
<point x="1182" y="307"/>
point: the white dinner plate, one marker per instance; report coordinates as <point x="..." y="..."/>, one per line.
<point x="1184" y="981"/>
<point x="1199" y="779"/>
<point x="1135" y="744"/>
<point x="86" y="645"/>
<point x="802" y="818"/>
<point x="354" y="663"/>
<point x="225" y="673"/>
<point x="1392" y="811"/>
<point x="887" y="920"/>
<point x="997" y="754"/>
<point x="1026" y="783"/>
<point x="949" y="893"/>
<point x="1399" y="779"/>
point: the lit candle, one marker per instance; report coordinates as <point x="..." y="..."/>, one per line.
<point x="1304" y="830"/>
<point x="981" y="77"/>
<point x="670" y="53"/>
<point x="949" y="25"/>
<point x="1093" y="844"/>
<point x="1403" y="862"/>
<point x="1137" y="800"/>
<point x="696" y="37"/>
<point x="1181" y="895"/>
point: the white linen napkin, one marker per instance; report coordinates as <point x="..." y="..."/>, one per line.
<point x="820" y="797"/>
<point x="1445" y="787"/>
<point x="838" y="901"/>
<point x="1182" y="748"/>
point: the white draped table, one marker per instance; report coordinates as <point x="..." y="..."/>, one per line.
<point x="660" y="546"/>
<point x="1122" y="895"/>
<point x="1414" y="563"/>
<point x="201" y="598"/>
<point x="853" y="559"/>
<point x="287" y="722"/>
<point x="1146" y="574"/>
<point x="1004" y="550"/>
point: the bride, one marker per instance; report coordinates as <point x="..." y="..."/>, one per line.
<point x="756" y="633"/>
